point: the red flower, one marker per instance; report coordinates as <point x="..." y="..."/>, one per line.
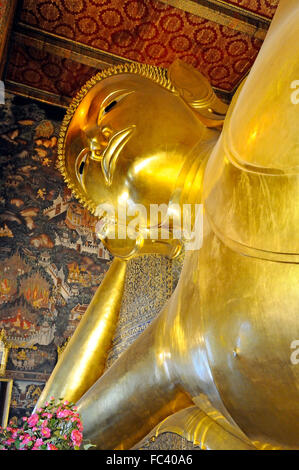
<point x="76" y="437"/>
<point x="9" y="441"/>
<point x="39" y="442"/>
<point x="26" y="439"/>
<point x="33" y="419"/>
<point x="46" y="432"/>
<point x="64" y="413"/>
<point x="51" y="447"/>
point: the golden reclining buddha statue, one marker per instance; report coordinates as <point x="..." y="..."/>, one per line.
<point x="217" y="359"/>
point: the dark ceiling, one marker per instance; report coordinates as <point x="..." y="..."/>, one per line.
<point x="55" y="46"/>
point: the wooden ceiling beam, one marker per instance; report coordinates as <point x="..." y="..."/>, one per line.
<point x="225" y="14"/>
<point x="64" y="47"/>
<point x="44" y="96"/>
<point x="30" y="36"/>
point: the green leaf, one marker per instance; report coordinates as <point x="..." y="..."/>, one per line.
<point x="88" y="446"/>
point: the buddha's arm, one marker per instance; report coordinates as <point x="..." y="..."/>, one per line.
<point x="132" y="397"/>
<point x="83" y="360"/>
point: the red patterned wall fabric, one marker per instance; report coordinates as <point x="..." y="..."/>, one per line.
<point x="46" y="71"/>
<point x="265" y="8"/>
<point x="149" y="31"/>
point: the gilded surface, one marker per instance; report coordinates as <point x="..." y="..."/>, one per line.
<point x="223" y="340"/>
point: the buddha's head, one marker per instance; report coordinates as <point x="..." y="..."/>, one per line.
<point x="128" y="140"/>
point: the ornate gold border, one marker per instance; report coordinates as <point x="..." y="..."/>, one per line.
<point x="6" y="347"/>
<point x="4" y="421"/>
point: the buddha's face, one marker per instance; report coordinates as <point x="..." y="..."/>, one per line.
<point x="127" y="142"/>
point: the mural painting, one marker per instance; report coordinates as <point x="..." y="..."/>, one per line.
<point x="50" y="259"/>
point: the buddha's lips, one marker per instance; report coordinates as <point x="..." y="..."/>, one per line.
<point x="112" y="151"/>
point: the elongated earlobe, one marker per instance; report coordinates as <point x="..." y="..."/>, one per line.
<point x="197" y="92"/>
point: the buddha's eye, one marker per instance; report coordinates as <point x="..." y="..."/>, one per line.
<point x="118" y="96"/>
<point x="81" y="168"/>
<point x="110" y="106"/>
<point x="81" y="165"/>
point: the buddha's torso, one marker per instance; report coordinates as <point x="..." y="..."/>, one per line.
<point x="233" y="319"/>
<point x="232" y="344"/>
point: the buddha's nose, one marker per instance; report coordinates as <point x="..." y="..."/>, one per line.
<point x="99" y="143"/>
<point x="96" y="150"/>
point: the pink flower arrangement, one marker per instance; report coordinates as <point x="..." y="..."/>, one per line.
<point x="56" y="426"/>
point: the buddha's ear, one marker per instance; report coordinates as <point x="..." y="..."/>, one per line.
<point x="196" y="90"/>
